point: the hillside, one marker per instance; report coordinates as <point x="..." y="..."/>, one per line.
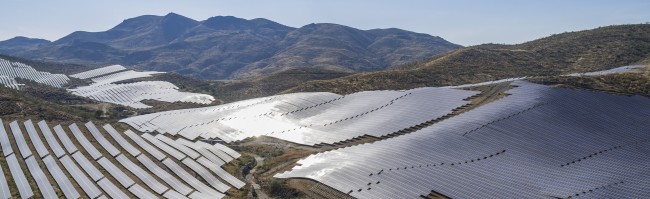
<point x="225" y="47"/>
<point x="626" y="83"/>
<point x="582" y="51"/>
<point x="18" y="44"/>
<point x="261" y="86"/>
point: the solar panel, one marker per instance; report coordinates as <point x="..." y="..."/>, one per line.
<point x="10" y="70"/>
<point x="35" y="139"/>
<point x="221" y="173"/>
<point x="101" y="139"/>
<point x="203" y="151"/>
<point x="143" y="175"/>
<point x="121" y="141"/>
<point x="220" y="153"/>
<point x="163" y="175"/>
<point x="141" y="192"/>
<point x="19" y="177"/>
<point x="187" y="151"/>
<point x="4" y="140"/>
<point x="125" y="75"/>
<point x="87" y="166"/>
<point x="50" y="139"/>
<point x="206" y="175"/>
<point x="20" y="140"/>
<point x="112" y="190"/>
<point x="190" y="179"/>
<point x="131" y="94"/>
<point x="44" y="185"/>
<point x="118" y="174"/>
<point x="145" y="146"/>
<point x="199" y="195"/>
<point x="171" y="194"/>
<point x="164" y="147"/>
<point x="98" y="71"/>
<point x="4" y="186"/>
<point x="86" y="184"/>
<point x="537" y="142"/>
<point x="81" y="138"/>
<point x="61" y="179"/>
<point x="65" y="140"/>
<point x="306" y="118"/>
<point x="229" y="151"/>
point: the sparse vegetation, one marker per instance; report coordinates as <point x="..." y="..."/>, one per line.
<point x="583" y="51"/>
<point x="279" y="188"/>
<point x="627" y="83"/>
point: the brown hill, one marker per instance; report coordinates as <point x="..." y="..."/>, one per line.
<point x="582" y="51"/>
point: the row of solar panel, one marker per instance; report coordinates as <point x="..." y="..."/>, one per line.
<point x="89" y="177"/>
<point x="99" y="72"/>
<point x="310" y="118"/>
<point x="9" y="82"/>
<point x="622" y="69"/>
<point x="121" y="76"/>
<point x="132" y="94"/>
<point x="20" y="70"/>
<point x="104" y="89"/>
<point x="517" y="153"/>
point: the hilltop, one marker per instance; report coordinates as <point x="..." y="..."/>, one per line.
<point x="582" y="51"/>
<point x="226" y="47"/>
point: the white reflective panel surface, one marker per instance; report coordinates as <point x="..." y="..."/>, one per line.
<point x="308" y="118"/>
<point x="537" y="142"/>
<point x="99" y="72"/>
<point x="11" y="70"/>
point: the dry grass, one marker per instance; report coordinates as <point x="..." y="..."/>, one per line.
<point x="624" y="83"/>
<point x="583" y="51"/>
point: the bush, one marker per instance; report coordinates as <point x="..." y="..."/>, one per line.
<point x="279" y="188"/>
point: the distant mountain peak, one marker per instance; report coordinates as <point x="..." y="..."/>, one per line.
<point x="21" y="43"/>
<point x="27" y="39"/>
<point x="234" y="23"/>
<point x="227" y="23"/>
<point x="172" y="14"/>
<point x="223" y="47"/>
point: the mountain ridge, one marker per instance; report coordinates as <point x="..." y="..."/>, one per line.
<point x="227" y="47"/>
<point x="581" y="51"/>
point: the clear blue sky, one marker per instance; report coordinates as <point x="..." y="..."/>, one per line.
<point x="464" y="22"/>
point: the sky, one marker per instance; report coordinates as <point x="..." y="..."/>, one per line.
<point x="465" y="22"/>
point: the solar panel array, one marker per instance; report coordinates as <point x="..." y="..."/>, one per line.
<point x="11" y="70"/>
<point x="538" y="142"/>
<point x="109" y="166"/>
<point x="622" y="69"/>
<point x="9" y="82"/>
<point x="131" y="94"/>
<point x="124" y="75"/>
<point x="308" y="118"/>
<point x="99" y="72"/>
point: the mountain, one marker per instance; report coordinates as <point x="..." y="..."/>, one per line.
<point x="226" y="47"/>
<point x="333" y="46"/>
<point x="582" y="51"/>
<point x="18" y="44"/>
<point x="143" y="32"/>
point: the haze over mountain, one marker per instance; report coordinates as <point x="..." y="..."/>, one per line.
<point x="225" y="47"/>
